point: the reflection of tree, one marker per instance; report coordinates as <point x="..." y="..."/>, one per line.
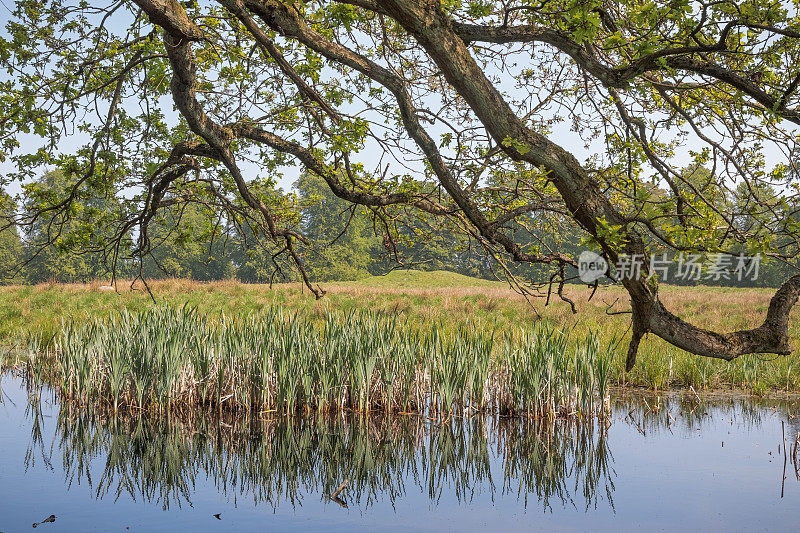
<point x="287" y="459"/>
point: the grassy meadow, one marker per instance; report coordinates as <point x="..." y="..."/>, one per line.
<point x="449" y="302"/>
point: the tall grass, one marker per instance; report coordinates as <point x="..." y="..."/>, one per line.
<point x="22" y="348"/>
<point x="278" y="363"/>
<point x="455" y="302"/>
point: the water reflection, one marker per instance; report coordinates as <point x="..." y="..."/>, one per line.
<point x="284" y="461"/>
<point x="686" y="411"/>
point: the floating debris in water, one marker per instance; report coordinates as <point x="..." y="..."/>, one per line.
<point x="51" y="518"/>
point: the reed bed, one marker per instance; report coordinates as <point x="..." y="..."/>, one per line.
<point x="276" y="363"/>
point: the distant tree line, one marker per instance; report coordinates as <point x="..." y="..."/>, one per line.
<point x="191" y="240"/>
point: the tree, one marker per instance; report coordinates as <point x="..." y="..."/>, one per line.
<point x="10" y="244"/>
<point x="353" y="242"/>
<point x="66" y="246"/>
<point x="342" y="231"/>
<point x="409" y="104"/>
<point x="189" y="242"/>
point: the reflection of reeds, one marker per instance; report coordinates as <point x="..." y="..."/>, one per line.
<point x="275" y="362"/>
<point x="160" y="459"/>
<point x="559" y="463"/>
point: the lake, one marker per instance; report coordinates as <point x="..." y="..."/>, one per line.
<point x="667" y="463"/>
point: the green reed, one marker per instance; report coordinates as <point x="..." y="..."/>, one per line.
<point x="274" y="362"/>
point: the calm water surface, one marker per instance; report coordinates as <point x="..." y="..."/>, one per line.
<point x="666" y="464"/>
